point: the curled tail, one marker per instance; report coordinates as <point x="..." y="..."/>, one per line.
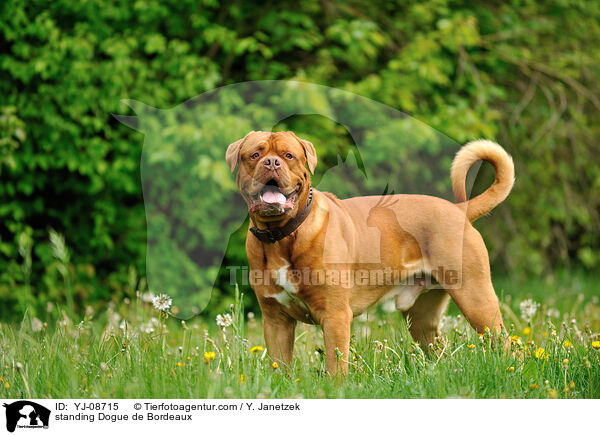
<point x="505" y="176"/>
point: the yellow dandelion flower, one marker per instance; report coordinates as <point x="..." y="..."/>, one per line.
<point x="510" y="369"/>
<point x="189" y="358"/>
<point x="179" y="364"/>
<point x="257" y="349"/>
<point x="596" y="344"/>
<point x="553" y="394"/>
<point x="486" y="329"/>
<point x="109" y="375"/>
<point x="208" y="356"/>
<point x="297" y="380"/>
<point x="566" y="390"/>
<point x="540" y="353"/>
<point x="565" y="361"/>
<point x="515" y="339"/>
<point x="471" y="346"/>
<point x="1" y="380"/>
<point x="275" y="365"/>
<point x="567" y="344"/>
<point x="527" y="330"/>
<point x="7" y="385"/>
<point x="534" y="386"/>
<point x="242" y="378"/>
<point x="571" y="385"/>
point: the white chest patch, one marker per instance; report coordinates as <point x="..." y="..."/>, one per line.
<point x="282" y="279"/>
<point x="288" y="295"/>
<point x="283" y="298"/>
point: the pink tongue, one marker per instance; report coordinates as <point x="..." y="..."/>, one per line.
<point x="273" y="197"/>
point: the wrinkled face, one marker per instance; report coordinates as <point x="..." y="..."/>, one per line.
<point x="273" y="176"/>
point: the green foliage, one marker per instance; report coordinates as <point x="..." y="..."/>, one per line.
<point x="521" y="72"/>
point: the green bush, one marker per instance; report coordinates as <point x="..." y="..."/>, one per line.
<point x="523" y="73"/>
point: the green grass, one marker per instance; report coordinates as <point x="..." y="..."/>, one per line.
<point x="102" y="356"/>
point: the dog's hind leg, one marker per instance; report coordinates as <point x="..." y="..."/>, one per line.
<point x="425" y="315"/>
<point x="478" y="302"/>
<point x="473" y="292"/>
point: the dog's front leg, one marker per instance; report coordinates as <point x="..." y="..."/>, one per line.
<point x="279" y="330"/>
<point x="336" y="332"/>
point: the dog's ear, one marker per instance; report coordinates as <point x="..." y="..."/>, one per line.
<point x="309" y="152"/>
<point x="233" y="152"/>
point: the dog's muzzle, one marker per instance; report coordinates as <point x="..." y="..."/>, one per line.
<point x="271" y="201"/>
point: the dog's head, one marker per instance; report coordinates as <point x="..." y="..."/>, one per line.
<point x="274" y="172"/>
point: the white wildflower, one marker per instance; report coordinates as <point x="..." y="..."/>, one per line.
<point x="528" y="309"/>
<point x="553" y="312"/>
<point x="148" y="297"/>
<point x="224" y="320"/>
<point x="65" y="321"/>
<point x="147" y="328"/>
<point x="36" y="325"/>
<point x="162" y="302"/>
<point x="389" y="306"/>
<point x="448" y="323"/>
<point x="362" y="318"/>
<point x="113" y="317"/>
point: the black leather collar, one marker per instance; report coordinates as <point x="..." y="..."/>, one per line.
<point x="275" y="234"/>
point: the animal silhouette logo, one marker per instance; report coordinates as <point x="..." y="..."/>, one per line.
<point x="194" y="212"/>
<point x="26" y="414"/>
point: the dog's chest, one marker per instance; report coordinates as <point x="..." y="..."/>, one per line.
<point x="285" y="285"/>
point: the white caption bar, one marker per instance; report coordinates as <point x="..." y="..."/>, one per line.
<point x="294" y="416"/>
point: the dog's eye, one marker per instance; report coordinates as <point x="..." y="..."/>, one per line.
<point x="254" y="156"/>
<point x="289" y="156"/>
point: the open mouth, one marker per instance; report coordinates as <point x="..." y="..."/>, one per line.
<point x="271" y="201"/>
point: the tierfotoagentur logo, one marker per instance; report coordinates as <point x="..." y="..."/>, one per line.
<point x="343" y="277"/>
<point x="25" y="414"/>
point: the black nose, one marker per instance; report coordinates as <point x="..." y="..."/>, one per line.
<point x="272" y="162"/>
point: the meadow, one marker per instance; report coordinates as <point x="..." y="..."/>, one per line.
<point x="134" y="350"/>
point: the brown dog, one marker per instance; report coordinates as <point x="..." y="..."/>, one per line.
<point x="318" y="259"/>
